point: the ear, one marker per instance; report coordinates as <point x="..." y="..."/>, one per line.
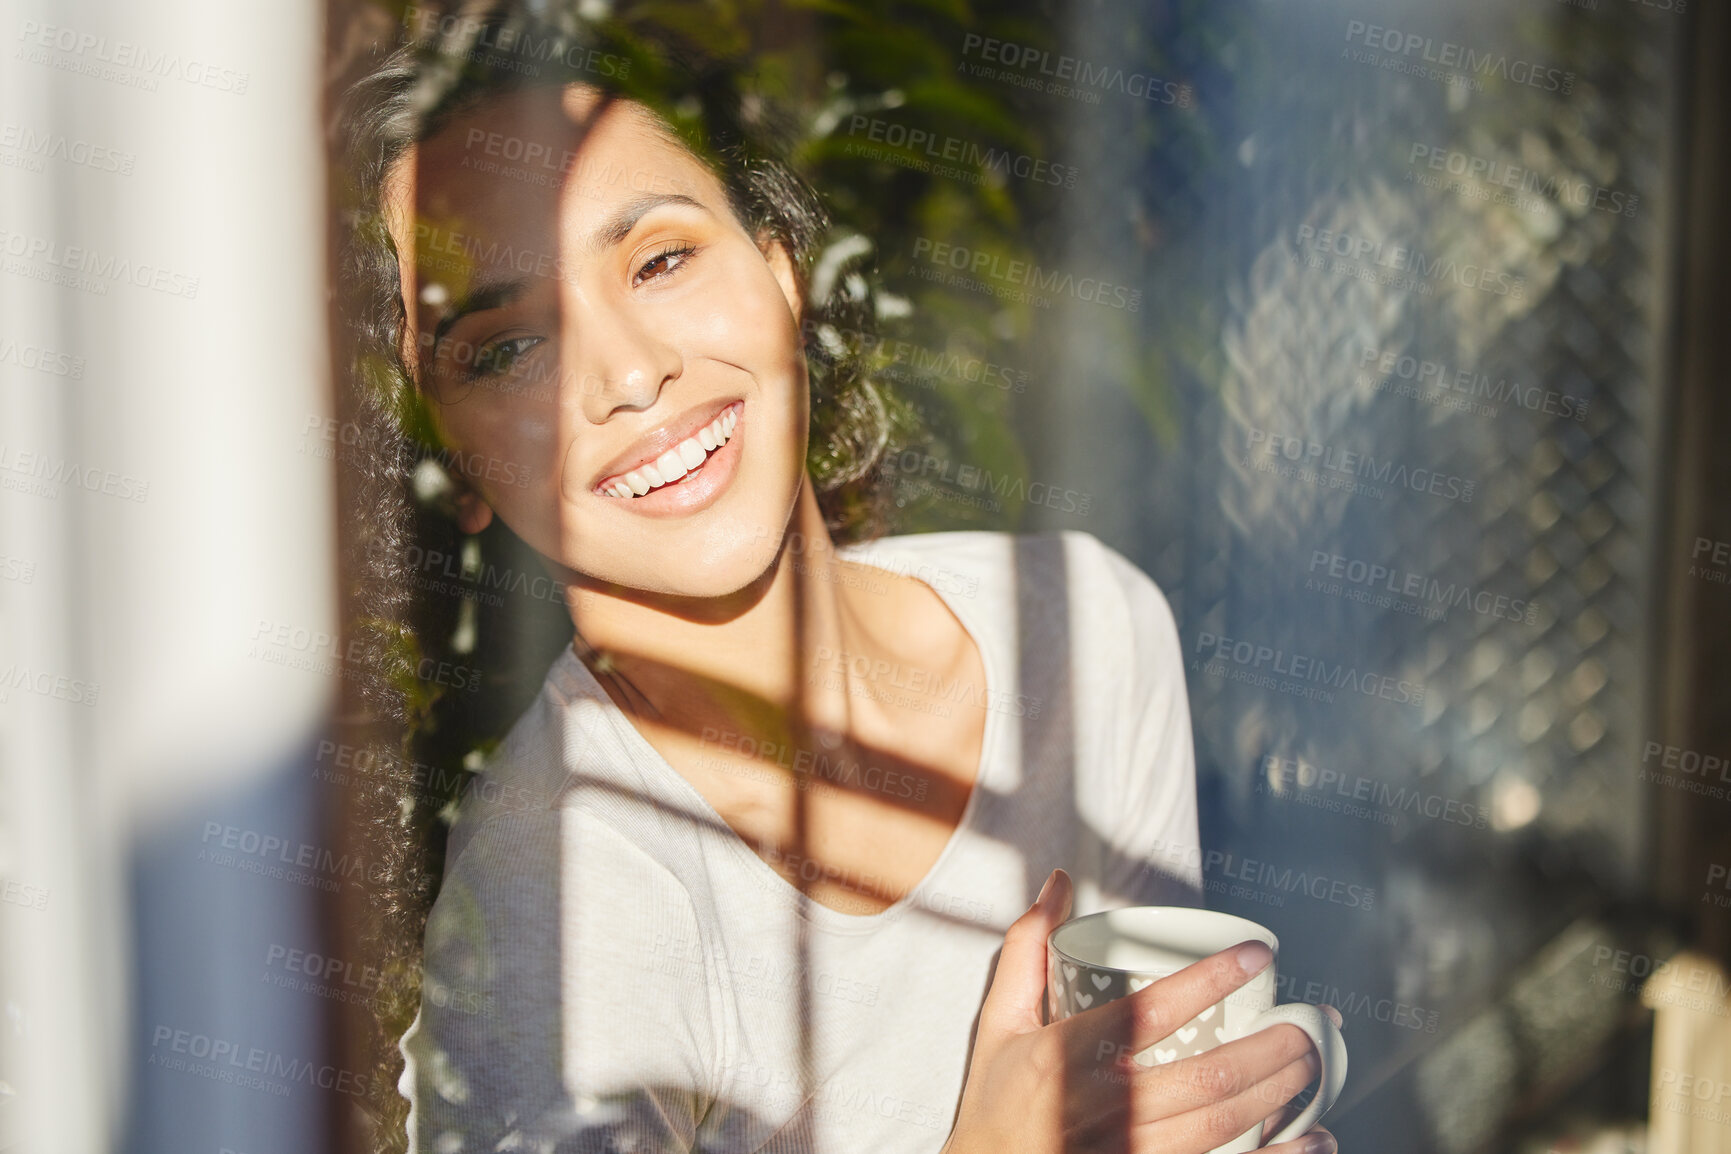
<point x="473" y="512"/>
<point x="780" y="261"/>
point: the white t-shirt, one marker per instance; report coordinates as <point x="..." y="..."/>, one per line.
<point x="609" y="967"/>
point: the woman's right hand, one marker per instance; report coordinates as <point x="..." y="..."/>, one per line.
<point x="1073" y="1087"/>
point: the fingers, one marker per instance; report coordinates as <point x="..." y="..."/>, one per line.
<point x="1123" y="1092"/>
<point x="1019" y="985"/>
<point x="1219" y="1122"/>
<point x="1131" y="1024"/>
<point x="1256" y="1066"/>
<point x="1317" y="1141"/>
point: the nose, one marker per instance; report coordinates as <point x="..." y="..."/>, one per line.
<point x="622" y="358"/>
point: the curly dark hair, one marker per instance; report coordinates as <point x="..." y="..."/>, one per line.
<point x="442" y="665"/>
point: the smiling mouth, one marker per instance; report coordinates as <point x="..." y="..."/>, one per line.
<point x="680" y="461"/>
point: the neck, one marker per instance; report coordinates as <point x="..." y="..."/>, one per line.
<point x="690" y="668"/>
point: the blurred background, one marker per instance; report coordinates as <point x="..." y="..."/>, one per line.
<point x="1388" y="337"/>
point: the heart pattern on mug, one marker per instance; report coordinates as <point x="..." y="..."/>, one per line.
<point x="1187" y="1040"/>
<point x="1200" y="1033"/>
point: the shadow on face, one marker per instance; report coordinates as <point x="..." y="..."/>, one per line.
<point x="612" y="360"/>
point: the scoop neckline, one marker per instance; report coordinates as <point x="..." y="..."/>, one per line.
<point x="805" y="906"/>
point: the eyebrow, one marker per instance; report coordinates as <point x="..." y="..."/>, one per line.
<point x="484" y="296"/>
<point x="498" y="294"/>
<point x="619" y="225"/>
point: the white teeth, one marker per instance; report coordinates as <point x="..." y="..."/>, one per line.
<point x="670" y="466"/>
<point x="677" y="461"/>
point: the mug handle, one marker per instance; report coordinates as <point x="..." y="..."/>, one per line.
<point x="1330" y="1053"/>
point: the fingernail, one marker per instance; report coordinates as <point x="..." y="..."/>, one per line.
<point x="1334" y="1016"/>
<point x="1253" y="957"/>
<point x="1046" y="889"/>
<point x="1320" y="1144"/>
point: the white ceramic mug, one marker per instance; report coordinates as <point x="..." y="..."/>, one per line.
<point x="1099" y="957"/>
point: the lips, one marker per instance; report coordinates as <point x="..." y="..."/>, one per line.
<point x="668" y="454"/>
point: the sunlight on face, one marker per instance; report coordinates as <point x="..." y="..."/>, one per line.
<point x="613" y="360"/>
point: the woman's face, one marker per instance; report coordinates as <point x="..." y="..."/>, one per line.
<point x="613" y="361"/>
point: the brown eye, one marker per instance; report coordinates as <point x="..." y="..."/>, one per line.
<point x="662" y="264"/>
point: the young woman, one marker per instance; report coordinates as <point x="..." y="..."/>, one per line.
<point x="746" y="875"/>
